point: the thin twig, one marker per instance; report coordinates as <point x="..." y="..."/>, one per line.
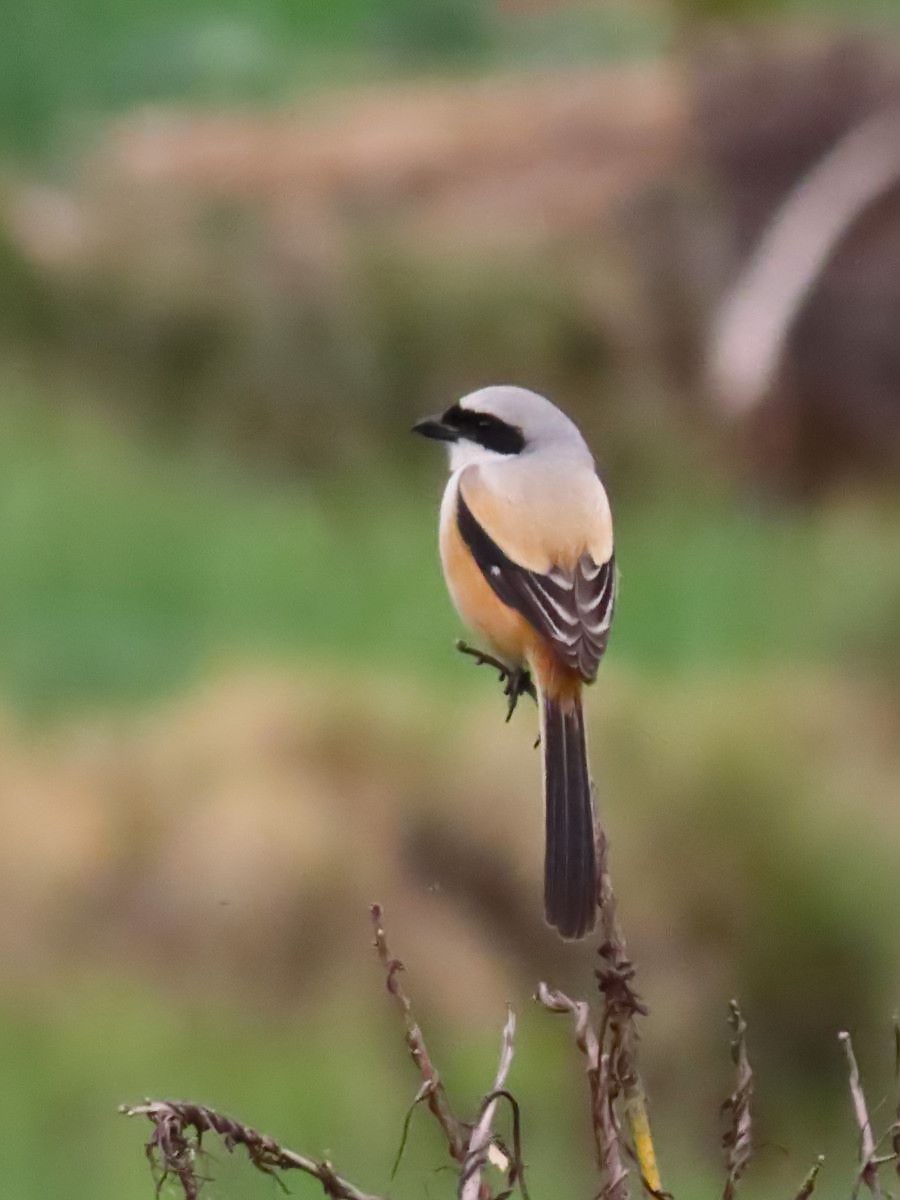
<point x="603" y="1123"/>
<point x="737" y="1141"/>
<point x="432" y="1089"/>
<point x="868" y="1168"/>
<point x="480" y="1140"/>
<point x="175" y="1145"/>
<point x="809" y="1183"/>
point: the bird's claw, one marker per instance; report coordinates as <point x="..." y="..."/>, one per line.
<point x="516" y="681"/>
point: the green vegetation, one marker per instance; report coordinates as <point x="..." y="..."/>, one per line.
<point x="130" y="567"/>
<point x="103" y="56"/>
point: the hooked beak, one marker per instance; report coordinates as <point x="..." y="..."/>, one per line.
<point x="432" y="427"/>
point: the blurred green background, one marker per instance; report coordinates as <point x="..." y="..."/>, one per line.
<point x="242" y="247"/>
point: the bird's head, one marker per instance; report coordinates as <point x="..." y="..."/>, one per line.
<point x="500" y="422"/>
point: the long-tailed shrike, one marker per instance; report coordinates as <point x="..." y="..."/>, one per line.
<point x="527" y="549"/>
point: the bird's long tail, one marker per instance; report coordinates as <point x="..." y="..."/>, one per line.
<point x="570" y="863"/>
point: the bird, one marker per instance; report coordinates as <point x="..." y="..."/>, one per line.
<point x="526" y="545"/>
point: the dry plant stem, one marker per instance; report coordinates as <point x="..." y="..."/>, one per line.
<point x="868" y="1167"/>
<point x="737" y="1141"/>
<point x="622" y="1005"/>
<point x="176" y="1143"/>
<point x="468" y="1145"/>
<point x="638" y="1118"/>
<point x="480" y="1140"/>
<point x="603" y="1123"/>
<point x="809" y="1183"/>
<point x="432" y="1089"/>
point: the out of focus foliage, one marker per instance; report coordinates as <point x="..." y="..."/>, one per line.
<point x="66" y="65"/>
<point x="242" y="246"/>
<point x="132" y="568"/>
<point x="296" y="286"/>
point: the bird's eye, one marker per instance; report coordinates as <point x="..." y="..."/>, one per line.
<point x="454" y="416"/>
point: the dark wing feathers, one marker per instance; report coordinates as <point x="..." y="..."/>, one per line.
<point x="572" y="609"/>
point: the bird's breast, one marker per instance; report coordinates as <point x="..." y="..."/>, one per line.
<point x="506" y="630"/>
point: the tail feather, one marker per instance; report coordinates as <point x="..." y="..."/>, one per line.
<point x="570" y="864"/>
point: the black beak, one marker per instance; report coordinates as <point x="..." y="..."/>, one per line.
<point x="435" y="429"/>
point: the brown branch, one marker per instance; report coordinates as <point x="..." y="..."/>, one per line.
<point x="432" y="1090"/>
<point x="480" y="1140"/>
<point x="603" y="1123"/>
<point x="868" y="1167"/>
<point x="175" y="1145"/>
<point x="618" y="1031"/>
<point x="809" y="1183"/>
<point x="737" y="1141"/>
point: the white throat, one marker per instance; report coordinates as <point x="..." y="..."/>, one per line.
<point x="466" y="454"/>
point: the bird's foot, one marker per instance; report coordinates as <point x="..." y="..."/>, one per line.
<point x="516" y="681"/>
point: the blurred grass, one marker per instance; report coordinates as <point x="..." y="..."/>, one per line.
<point x="102" y="56"/>
<point x="64" y="65"/>
<point x="131" y="567"/>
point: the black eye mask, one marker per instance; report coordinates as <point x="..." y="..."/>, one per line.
<point x="485" y="429"/>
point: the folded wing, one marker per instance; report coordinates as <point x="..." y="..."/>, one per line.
<point x="573" y="609"/>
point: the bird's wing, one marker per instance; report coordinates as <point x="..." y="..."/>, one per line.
<point x="572" y="608"/>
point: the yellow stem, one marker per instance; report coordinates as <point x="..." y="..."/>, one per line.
<point x="639" y="1124"/>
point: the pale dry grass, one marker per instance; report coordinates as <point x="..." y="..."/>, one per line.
<point x="516" y="159"/>
<point x="237" y="835"/>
